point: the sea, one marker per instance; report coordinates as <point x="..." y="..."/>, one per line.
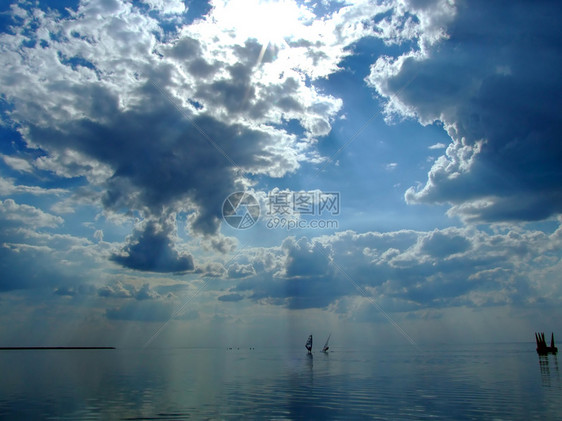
<point x="449" y="382"/>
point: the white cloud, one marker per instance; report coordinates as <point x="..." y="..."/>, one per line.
<point x="8" y="188"/>
<point x="17" y="164"/>
<point x="409" y="270"/>
<point x="27" y="215"/>
<point x="167" y="7"/>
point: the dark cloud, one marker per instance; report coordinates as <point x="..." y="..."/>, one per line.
<point x="200" y="68"/>
<point x="159" y="158"/>
<point x="66" y="292"/>
<point x="443" y="244"/>
<point x="238" y="93"/>
<point x="495" y="84"/>
<point x="184" y="49"/>
<point x="150" y="249"/>
<point x="231" y="298"/>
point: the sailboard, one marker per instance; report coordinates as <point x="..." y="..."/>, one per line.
<point x="326" y="347"/>
<point x="309" y="344"/>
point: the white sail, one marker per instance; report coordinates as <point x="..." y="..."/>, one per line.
<point x="326" y="347"/>
<point x="309" y="343"/>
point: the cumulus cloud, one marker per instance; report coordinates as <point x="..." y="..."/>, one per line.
<point x="153" y="118"/>
<point x="305" y="259"/>
<point x="211" y="269"/>
<point x="496" y="100"/>
<point x="150" y="249"/>
<point x="162" y="118"/>
<point x="152" y="121"/>
<point x="236" y="270"/>
<point x="167" y="7"/>
<point x="444" y="243"/>
<point x="407" y="270"/>
<point x="299" y="274"/>
<point x="118" y="289"/>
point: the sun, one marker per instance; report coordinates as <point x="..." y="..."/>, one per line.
<point x="269" y="22"/>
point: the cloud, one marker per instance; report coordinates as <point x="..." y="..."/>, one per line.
<point x="17" y="164"/>
<point x="211" y="269"/>
<point x="305" y="259"/>
<point x="8" y="187"/>
<point x="495" y="99"/>
<point x="155" y="123"/>
<point x="15" y="214"/>
<point x="160" y="117"/>
<point x="444" y="243"/>
<point x="75" y="291"/>
<point x="128" y="301"/>
<point x="150" y="249"/>
<point x="297" y="275"/>
<point x="167" y="7"/>
<point x="237" y="271"/>
<point x="408" y="270"/>
<point x="232" y="298"/>
<point x="118" y="289"/>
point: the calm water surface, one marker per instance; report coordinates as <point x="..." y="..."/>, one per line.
<point x="506" y="381"/>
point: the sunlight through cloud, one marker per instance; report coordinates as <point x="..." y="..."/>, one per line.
<point x="269" y="22"/>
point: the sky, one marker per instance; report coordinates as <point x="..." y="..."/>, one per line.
<point x="245" y="173"/>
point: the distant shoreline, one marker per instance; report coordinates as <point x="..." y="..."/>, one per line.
<point x="24" y="348"/>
